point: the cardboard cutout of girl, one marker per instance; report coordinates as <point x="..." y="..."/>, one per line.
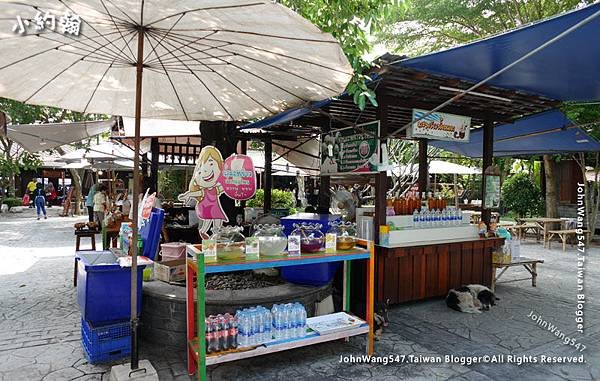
<point x="205" y="190"/>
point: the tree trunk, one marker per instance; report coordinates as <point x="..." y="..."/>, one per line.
<point x="76" y="184"/>
<point x="551" y="187"/>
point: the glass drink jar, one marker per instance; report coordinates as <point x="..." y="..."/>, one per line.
<point x="311" y="237"/>
<point x="345" y="234"/>
<point x="231" y="243"/>
<point x="272" y="239"/>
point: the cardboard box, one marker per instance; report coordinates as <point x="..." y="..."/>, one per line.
<point x="170" y="271"/>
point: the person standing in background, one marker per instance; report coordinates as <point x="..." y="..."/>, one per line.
<point x="100" y="204"/>
<point x="39" y="199"/>
<point x="31" y="187"/>
<point x="89" y="202"/>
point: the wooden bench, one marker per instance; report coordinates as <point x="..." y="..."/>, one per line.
<point x="564" y="235"/>
<point x="529" y="264"/>
<point x="522" y="229"/>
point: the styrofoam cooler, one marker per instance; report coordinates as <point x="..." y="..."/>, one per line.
<point x="173" y="250"/>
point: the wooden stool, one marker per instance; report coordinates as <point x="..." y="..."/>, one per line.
<point x="86" y="234"/>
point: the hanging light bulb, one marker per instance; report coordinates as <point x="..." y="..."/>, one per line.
<point x="43" y="142"/>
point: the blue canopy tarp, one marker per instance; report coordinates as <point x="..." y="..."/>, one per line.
<point x="549" y="132"/>
<point x="565" y="70"/>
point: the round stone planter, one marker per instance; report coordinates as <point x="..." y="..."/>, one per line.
<point x="163" y="314"/>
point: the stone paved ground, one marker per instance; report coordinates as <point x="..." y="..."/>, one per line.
<point x="40" y="337"/>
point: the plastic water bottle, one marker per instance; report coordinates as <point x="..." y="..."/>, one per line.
<point x="275" y="311"/>
<point x="286" y="321"/>
<point x="415" y="220"/>
<point x="460" y="216"/>
<point x="260" y="326"/>
<point x="422" y="219"/>
<point x="294" y="320"/>
<point x="267" y="323"/>
<point x="301" y="330"/>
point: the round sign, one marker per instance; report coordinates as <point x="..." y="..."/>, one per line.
<point x="363" y="149"/>
<point x="238" y="177"/>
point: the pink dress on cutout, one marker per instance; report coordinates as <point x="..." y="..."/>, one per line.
<point x="210" y="206"/>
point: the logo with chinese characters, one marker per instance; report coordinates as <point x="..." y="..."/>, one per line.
<point x="68" y="23"/>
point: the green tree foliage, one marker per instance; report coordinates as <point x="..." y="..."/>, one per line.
<point x="171" y="183"/>
<point x="351" y="22"/>
<point x="521" y="196"/>
<point x="279" y="199"/>
<point x="428" y="26"/>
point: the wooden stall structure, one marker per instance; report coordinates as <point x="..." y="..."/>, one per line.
<point x="426" y="269"/>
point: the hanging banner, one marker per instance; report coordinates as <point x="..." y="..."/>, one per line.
<point x="351" y="150"/>
<point x="239" y="177"/>
<point x="439" y="126"/>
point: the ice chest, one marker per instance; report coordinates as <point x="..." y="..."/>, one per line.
<point x="104" y="287"/>
<point x="170" y="271"/>
<point x="313" y="275"/>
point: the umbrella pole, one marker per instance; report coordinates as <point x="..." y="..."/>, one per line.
<point x="135" y="204"/>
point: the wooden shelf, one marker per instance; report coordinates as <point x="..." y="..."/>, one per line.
<point x="195" y="275"/>
<point x="277" y="346"/>
<point x="224" y="265"/>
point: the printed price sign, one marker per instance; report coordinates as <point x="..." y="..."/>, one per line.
<point x="293" y="245"/>
<point x="330" y="242"/>
<point x="252" y="248"/>
<point x="209" y="249"/>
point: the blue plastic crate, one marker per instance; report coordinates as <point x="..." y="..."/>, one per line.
<point x="312" y="275"/>
<point x="107" y="342"/>
<point x="104" y="288"/>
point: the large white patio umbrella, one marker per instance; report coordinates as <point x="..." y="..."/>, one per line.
<point x="194" y="60"/>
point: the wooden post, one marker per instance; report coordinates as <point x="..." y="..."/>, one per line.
<point x="381" y="179"/>
<point x="154" y="165"/>
<point x="268" y="173"/>
<point x="324" y="187"/>
<point x="488" y="156"/>
<point x="423" y="166"/>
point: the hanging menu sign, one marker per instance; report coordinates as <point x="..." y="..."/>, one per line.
<point x="439" y="126"/>
<point x="351" y="150"/>
<point x="238" y="177"/>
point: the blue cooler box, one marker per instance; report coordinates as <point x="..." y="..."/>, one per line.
<point x="104" y="287"/>
<point x="312" y="275"/>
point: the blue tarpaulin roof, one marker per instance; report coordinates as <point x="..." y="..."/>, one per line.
<point x="287" y="116"/>
<point x="566" y="70"/>
<point x="548" y="132"/>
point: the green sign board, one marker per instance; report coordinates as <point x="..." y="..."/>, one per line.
<point x="351" y="150"/>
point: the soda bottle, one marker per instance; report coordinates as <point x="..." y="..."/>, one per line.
<point x="233" y="332"/>
<point x="224" y="333"/>
<point x="208" y="334"/>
